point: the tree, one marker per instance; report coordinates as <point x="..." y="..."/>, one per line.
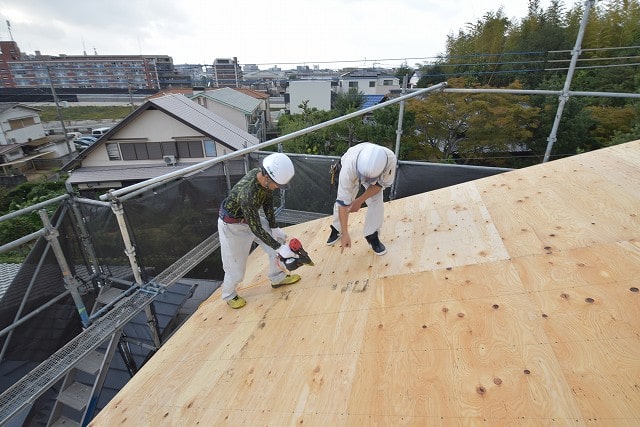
<point x="19" y="197"/>
<point x="468" y="126"/>
<point x="404" y="70"/>
<point x="610" y="121"/>
<point x="311" y="143"/>
<point x="348" y="102"/>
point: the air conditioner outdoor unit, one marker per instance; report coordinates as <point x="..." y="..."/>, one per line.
<point x="170" y="160"/>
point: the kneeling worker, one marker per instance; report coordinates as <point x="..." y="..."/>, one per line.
<point x="240" y="224"/>
<point x="374" y="167"/>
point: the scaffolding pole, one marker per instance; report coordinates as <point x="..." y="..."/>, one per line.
<point x="564" y="97"/>
<point x="399" y="133"/>
<point x="208" y="163"/>
<point x="70" y="281"/>
<point x="130" y="251"/>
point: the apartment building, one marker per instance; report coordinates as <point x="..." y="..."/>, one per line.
<point x="151" y="72"/>
<point x="226" y="72"/>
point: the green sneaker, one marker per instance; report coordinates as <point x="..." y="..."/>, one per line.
<point x="289" y="279"/>
<point x="237" y="302"/>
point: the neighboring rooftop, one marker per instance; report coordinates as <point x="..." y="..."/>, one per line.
<point x="232" y="98"/>
<point x="508" y="300"/>
<point x="7" y="273"/>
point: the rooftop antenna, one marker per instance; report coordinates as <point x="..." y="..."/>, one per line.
<point x="84" y="48"/>
<point x="9" y="27"/>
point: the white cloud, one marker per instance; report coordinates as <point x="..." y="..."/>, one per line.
<point x="285" y="31"/>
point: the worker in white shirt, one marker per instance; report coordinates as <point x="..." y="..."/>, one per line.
<point x="374" y="167"/>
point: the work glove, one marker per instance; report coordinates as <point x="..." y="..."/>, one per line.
<point x="285" y="252"/>
<point x="279" y="235"/>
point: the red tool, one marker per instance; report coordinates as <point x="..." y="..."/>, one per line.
<point x="290" y="264"/>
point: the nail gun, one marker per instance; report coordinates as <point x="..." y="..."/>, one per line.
<point x="290" y="264"/>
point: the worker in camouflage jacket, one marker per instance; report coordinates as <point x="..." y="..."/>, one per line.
<point x="240" y="225"/>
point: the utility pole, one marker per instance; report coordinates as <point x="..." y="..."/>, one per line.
<point x="9" y="28"/>
<point x="55" y="99"/>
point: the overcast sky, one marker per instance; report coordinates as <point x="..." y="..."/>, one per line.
<point x="324" y="32"/>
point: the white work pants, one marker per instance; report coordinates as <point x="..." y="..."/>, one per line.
<point x="235" y="246"/>
<point x="374" y="216"/>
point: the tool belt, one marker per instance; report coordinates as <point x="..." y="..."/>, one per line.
<point x="228" y="219"/>
<point x="231" y="220"/>
<point x="334" y="173"/>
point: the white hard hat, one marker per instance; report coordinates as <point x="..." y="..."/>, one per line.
<point x="279" y="168"/>
<point x="371" y="161"/>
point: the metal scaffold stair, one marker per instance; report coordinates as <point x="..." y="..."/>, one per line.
<point x="76" y="402"/>
<point x="24" y="392"/>
<point x="80" y="354"/>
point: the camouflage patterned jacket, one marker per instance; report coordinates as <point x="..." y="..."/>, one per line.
<point x="245" y="200"/>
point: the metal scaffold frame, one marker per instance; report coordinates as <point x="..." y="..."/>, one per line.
<point x="104" y="322"/>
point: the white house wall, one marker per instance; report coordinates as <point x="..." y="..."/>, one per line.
<point x="151" y="126"/>
<point x="364" y="85"/>
<point x="317" y="92"/>
<point x="232" y="115"/>
<point x="21" y="135"/>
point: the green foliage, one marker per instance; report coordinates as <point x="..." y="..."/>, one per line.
<point x="19" y="197"/>
<point x="535" y="51"/>
<point x="621" y="137"/>
<point x="404" y="70"/>
<point x="348" y="102"/>
<point x="379" y="127"/>
<point x="496" y="51"/>
<point x="49" y="114"/>
<point x="453" y="125"/>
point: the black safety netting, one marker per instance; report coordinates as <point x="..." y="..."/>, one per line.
<point x="166" y="222"/>
<point x="311" y="190"/>
<point x="39" y="288"/>
<point x="415" y="178"/>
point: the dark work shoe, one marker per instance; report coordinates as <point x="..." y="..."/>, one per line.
<point x="376" y="244"/>
<point x="333" y="237"/>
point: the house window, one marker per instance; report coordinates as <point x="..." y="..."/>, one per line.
<point x="135" y="151"/>
<point x="210" y="148"/>
<point x="387" y="83"/>
<point x="21" y="123"/>
<point x="189" y="149"/>
<point x="353" y="84"/>
<point x="113" y="152"/>
<point x="155" y="150"/>
<point x="169" y="148"/>
<point x="372" y="84"/>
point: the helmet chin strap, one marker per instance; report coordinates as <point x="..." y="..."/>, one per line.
<point x="265" y="179"/>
